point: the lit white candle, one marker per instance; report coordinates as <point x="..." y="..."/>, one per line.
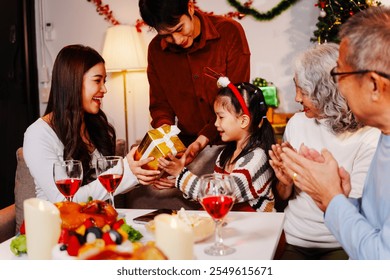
<point x="43" y="228"/>
<point x="174" y="237"/>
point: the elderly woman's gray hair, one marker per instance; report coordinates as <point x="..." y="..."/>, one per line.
<point x="312" y="72"/>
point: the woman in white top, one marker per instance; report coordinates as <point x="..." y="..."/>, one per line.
<point x="75" y="127"/>
<point x="326" y="122"/>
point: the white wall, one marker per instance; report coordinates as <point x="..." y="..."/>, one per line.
<point x="273" y="45"/>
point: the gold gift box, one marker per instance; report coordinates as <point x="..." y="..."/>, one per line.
<point x="158" y="143"/>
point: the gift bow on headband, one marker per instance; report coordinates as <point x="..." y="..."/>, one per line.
<point x="223" y="81"/>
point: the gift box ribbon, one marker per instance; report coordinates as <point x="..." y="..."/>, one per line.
<point x="166" y="138"/>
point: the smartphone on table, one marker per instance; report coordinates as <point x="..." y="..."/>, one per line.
<point x="146" y="218"/>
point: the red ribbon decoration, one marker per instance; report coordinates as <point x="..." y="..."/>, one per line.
<point x="223" y="81"/>
<point x="104" y="10"/>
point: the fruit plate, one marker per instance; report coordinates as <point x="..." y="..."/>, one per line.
<point x="202" y="226"/>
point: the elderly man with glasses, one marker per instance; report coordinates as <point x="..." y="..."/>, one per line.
<point x="362" y="226"/>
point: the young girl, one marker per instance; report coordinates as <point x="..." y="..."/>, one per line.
<point x="75" y="127"/>
<point x="242" y="123"/>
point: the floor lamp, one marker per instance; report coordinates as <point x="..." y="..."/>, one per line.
<point x="124" y="52"/>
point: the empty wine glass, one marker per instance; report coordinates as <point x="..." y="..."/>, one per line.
<point x="109" y="170"/>
<point x="216" y="197"/>
<point x="68" y="176"/>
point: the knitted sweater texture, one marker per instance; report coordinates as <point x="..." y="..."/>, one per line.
<point x="253" y="178"/>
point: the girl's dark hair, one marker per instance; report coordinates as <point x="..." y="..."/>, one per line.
<point x="261" y="132"/>
<point x="65" y="104"/>
<point x="162" y="14"/>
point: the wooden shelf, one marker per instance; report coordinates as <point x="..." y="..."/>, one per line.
<point x="279" y="122"/>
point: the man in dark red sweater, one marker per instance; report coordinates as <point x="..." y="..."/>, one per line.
<point x="187" y="42"/>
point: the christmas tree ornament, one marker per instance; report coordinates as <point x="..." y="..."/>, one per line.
<point x="333" y="13"/>
<point x="240" y="16"/>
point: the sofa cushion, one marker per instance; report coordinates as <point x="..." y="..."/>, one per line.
<point x="7" y="222"/>
<point x="24" y="187"/>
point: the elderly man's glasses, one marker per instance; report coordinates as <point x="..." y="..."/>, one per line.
<point x="335" y="74"/>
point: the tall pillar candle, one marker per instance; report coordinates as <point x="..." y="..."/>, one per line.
<point x="43" y="228"/>
<point x="174" y="237"/>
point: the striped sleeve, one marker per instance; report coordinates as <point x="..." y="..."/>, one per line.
<point x="254" y="177"/>
<point x="188" y="183"/>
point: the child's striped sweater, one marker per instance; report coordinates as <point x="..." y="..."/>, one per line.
<point x="253" y="177"/>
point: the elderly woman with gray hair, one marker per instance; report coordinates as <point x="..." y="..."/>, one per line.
<point x="325" y="122"/>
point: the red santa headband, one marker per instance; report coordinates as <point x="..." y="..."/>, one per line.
<point x="223" y="81"/>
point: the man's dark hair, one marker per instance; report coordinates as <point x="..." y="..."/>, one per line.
<point x="162" y="14"/>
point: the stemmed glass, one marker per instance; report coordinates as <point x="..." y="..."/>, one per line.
<point x="109" y="170"/>
<point x="216" y="197"/>
<point x="68" y="176"/>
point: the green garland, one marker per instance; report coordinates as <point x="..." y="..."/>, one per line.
<point x="275" y="11"/>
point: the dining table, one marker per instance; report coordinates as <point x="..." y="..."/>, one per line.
<point x="254" y="235"/>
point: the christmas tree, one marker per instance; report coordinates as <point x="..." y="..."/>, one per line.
<point x="333" y="13"/>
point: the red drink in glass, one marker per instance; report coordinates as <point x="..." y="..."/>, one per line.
<point x="216" y="194"/>
<point x="68" y="177"/>
<point x="110" y="181"/>
<point x="217" y="206"/>
<point x="68" y="187"/>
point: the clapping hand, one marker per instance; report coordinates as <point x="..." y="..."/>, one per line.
<point x="311" y="154"/>
<point x="277" y="164"/>
<point x="318" y="175"/>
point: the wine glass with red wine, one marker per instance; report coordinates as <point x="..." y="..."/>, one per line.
<point x="68" y="176"/>
<point x="216" y="197"/>
<point x="109" y="170"/>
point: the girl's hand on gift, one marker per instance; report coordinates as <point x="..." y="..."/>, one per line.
<point x="165" y="183"/>
<point x="145" y="177"/>
<point x="173" y="166"/>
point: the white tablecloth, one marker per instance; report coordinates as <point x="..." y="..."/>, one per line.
<point x="254" y="235"/>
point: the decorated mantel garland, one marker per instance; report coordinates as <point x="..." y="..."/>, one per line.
<point x="242" y="10"/>
<point x="271" y="14"/>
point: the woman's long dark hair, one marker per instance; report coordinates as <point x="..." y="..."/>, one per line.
<point x="261" y="132"/>
<point x="65" y="104"/>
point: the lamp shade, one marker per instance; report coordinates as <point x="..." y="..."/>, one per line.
<point x="123" y="49"/>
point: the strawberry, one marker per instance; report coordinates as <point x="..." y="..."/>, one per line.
<point x="22" y="229"/>
<point x="107" y="238"/>
<point x="89" y="223"/>
<point x="64" y="236"/>
<point x="118" y="224"/>
<point x="73" y="246"/>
